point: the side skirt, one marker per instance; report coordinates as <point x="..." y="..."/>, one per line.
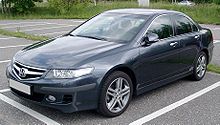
<point x="162" y="82"/>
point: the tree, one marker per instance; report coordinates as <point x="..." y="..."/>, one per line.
<point x="216" y="2"/>
<point x="18" y="6"/>
<point x="6" y="6"/>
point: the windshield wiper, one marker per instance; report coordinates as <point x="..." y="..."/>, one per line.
<point x="92" y="37"/>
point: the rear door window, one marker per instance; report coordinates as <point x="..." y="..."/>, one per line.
<point x="184" y="25"/>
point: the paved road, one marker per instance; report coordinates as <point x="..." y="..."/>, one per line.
<point x="41" y="27"/>
<point x="202" y="110"/>
<point x="216" y="54"/>
<point x="215" y="30"/>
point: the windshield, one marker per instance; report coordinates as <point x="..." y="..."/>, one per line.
<point x="115" y="27"/>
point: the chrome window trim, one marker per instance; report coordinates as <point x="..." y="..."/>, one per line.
<point x="191" y="26"/>
<point x="142" y="35"/>
<point x="173" y="24"/>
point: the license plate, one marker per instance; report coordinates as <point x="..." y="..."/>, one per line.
<point x="20" y="87"/>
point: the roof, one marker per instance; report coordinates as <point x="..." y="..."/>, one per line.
<point x="142" y="11"/>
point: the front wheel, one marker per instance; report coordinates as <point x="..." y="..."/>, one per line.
<point x="200" y="67"/>
<point x="116" y="94"/>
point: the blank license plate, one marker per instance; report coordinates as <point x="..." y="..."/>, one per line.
<point x="20" y="86"/>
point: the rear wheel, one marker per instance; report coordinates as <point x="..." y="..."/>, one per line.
<point x="200" y="67"/>
<point x="116" y="94"/>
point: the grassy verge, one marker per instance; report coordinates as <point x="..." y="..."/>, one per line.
<point x="22" y="35"/>
<point x="203" y="13"/>
<point x="214" y="68"/>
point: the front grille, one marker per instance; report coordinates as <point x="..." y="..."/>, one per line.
<point x="24" y="72"/>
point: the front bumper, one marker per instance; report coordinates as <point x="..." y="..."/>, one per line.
<point x="71" y="94"/>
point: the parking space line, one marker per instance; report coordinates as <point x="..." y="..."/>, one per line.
<point x="80" y="21"/>
<point x="174" y="105"/>
<point x="8" y="27"/>
<point x="60" y="32"/>
<point x="37" y="29"/>
<point x="4" y="90"/>
<point x="216" y="28"/>
<point x="5" y="61"/>
<point x="216" y="41"/>
<point x="29" y="111"/>
<point x="40" y="22"/>
<point x="7" y="38"/>
<point x="5" y="47"/>
<point x="45" y="23"/>
<point x="19" y="23"/>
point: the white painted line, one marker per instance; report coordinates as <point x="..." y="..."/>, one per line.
<point x="216" y="41"/>
<point x="32" y="25"/>
<point x="29" y="111"/>
<point x="39" y="22"/>
<point x="80" y="21"/>
<point x="19" y="23"/>
<point x="5" y="61"/>
<point x="174" y="105"/>
<point x="216" y="28"/>
<point x="7" y="38"/>
<point x="4" y="90"/>
<point x="8" y="27"/>
<point x="37" y="29"/>
<point x="5" y="47"/>
<point x="45" y="34"/>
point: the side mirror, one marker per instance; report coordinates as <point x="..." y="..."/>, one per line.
<point x="149" y="38"/>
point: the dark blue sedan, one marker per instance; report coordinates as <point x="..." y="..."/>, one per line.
<point x="111" y="57"/>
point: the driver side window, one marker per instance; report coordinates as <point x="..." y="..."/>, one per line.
<point x="162" y="26"/>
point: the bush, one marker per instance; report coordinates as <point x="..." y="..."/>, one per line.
<point x="216" y="2"/>
<point x="64" y="6"/>
<point x="22" y="6"/>
<point x="61" y="6"/>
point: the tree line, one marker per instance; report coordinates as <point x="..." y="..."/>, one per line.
<point x="24" y="6"/>
<point x="17" y="6"/>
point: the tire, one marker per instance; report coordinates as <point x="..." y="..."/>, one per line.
<point x="196" y="76"/>
<point x="113" y="98"/>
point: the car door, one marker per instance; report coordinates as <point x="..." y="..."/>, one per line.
<point x="188" y="34"/>
<point x="159" y="60"/>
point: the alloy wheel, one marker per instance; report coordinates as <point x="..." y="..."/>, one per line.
<point x="201" y="66"/>
<point x="117" y="95"/>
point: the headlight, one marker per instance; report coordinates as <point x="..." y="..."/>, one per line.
<point x="68" y="73"/>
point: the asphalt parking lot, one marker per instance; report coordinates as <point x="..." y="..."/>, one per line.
<point x="181" y="102"/>
<point x="41" y="27"/>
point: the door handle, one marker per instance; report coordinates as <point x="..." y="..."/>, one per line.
<point x="196" y="36"/>
<point x="173" y="44"/>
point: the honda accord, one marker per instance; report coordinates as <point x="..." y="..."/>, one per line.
<point x="110" y="58"/>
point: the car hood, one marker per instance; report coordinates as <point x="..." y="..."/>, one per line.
<point x="64" y="52"/>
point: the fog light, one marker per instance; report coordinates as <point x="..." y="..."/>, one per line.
<point x="51" y="98"/>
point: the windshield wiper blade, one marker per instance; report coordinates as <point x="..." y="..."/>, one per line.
<point x="92" y="37"/>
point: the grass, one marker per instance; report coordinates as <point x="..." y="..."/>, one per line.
<point x="214" y="68"/>
<point x="22" y="35"/>
<point x="202" y="13"/>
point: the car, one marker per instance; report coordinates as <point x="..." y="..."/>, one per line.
<point x="108" y="59"/>
<point x="186" y="3"/>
